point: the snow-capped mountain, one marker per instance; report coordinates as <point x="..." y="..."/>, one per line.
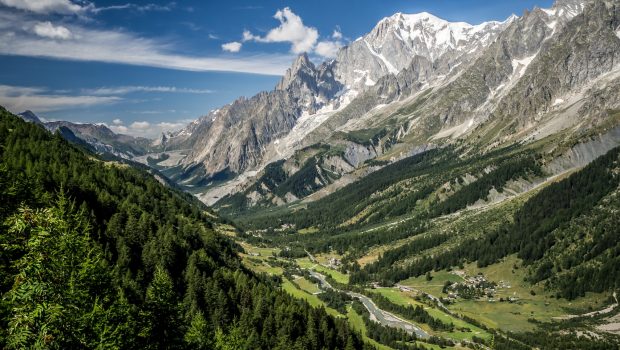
<point x="414" y="82"/>
<point x="395" y="40"/>
<point x="245" y="134"/>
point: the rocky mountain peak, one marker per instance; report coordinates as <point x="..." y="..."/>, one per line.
<point x="428" y="34"/>
<point x="390" y="46"/>
<point x="402" y="55"/>
<point x="567" y="9"/>
<point x="570" y="3"/>
<point x="29" y="116"/>
<point x="302" y="68"/>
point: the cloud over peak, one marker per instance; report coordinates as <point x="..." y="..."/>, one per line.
<point x="144" y="128"/>
<point x="291" y="30"/>
<point x="301" y="37"/>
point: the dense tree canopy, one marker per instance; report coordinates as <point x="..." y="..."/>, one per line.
<point x="101" y="255"/>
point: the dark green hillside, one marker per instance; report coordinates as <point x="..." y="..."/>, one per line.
<point x="352" y="199"/>
<point x="555" y="216"/>
<point x="100" y="255"/>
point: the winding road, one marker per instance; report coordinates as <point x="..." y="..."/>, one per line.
<point x="383" y="317"/>
<point x="606" y="310"/>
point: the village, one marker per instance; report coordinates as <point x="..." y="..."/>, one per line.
<point x="474" y="287"/>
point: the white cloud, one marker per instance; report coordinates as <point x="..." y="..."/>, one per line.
<point x="44" y="6"/>
<point x="291" y="30"/>
<point x="111" y="8"/>
<point x="170" y="126"/>
<point x="337" y="35"/>
<point x="328" y="49"/>
<point x="301" y="37"/>
<point x="140" y="125"/>
<point x="248" y="36"/>
<point x="130" y="6"/>
<point x="117" y="122"/>
<point x="146" y="129"/>
<point x="48" y="30"/>
<point x="19" y="98"/>
<point x="119" y="129"/>
<point x="232" y="46"/>
<point x="105" y="46"/>
<point x="122" y="90"/>
<point x="213" y="37"/>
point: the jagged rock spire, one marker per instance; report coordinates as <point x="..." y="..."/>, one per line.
<point x="301" y="66"/>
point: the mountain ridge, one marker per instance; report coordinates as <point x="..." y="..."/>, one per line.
<point x="460" y="82"/>
<point x="318" y="91"/>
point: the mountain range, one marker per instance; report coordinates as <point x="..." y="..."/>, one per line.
<point x="413" y="83"/>
<point x="435" y="185"/>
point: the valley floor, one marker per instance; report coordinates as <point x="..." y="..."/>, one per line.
<point x="515" y="307"/>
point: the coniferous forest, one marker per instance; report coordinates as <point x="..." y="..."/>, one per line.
<point x="97" y="254"/>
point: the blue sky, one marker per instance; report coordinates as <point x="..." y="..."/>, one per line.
<point x="125" y="63"/>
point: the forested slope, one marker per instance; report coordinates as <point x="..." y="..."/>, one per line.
<point x="100" y="255"/>
<point x="578" y="214"/>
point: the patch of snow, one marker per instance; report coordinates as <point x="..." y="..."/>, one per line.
<point x="510" y="19"/>
<point x="387" y="63"/>
<point x="498" y="88"/>
<point x="285" y="146"/>
<point x="519" y="66"/>
<point x="558" y="101"/>
<point x="618" y="33"/>
<point x="474" y="49"/>
<point x="363" y="75"/>
<point x="455" y="66"/>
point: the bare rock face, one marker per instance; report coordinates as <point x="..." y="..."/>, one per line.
<point x="234" y="137"/>
<point x="583" y="51"/>
<point x="230" y="140"/>
<point x="480" y="90"/>
<point x="310" y="87"/>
